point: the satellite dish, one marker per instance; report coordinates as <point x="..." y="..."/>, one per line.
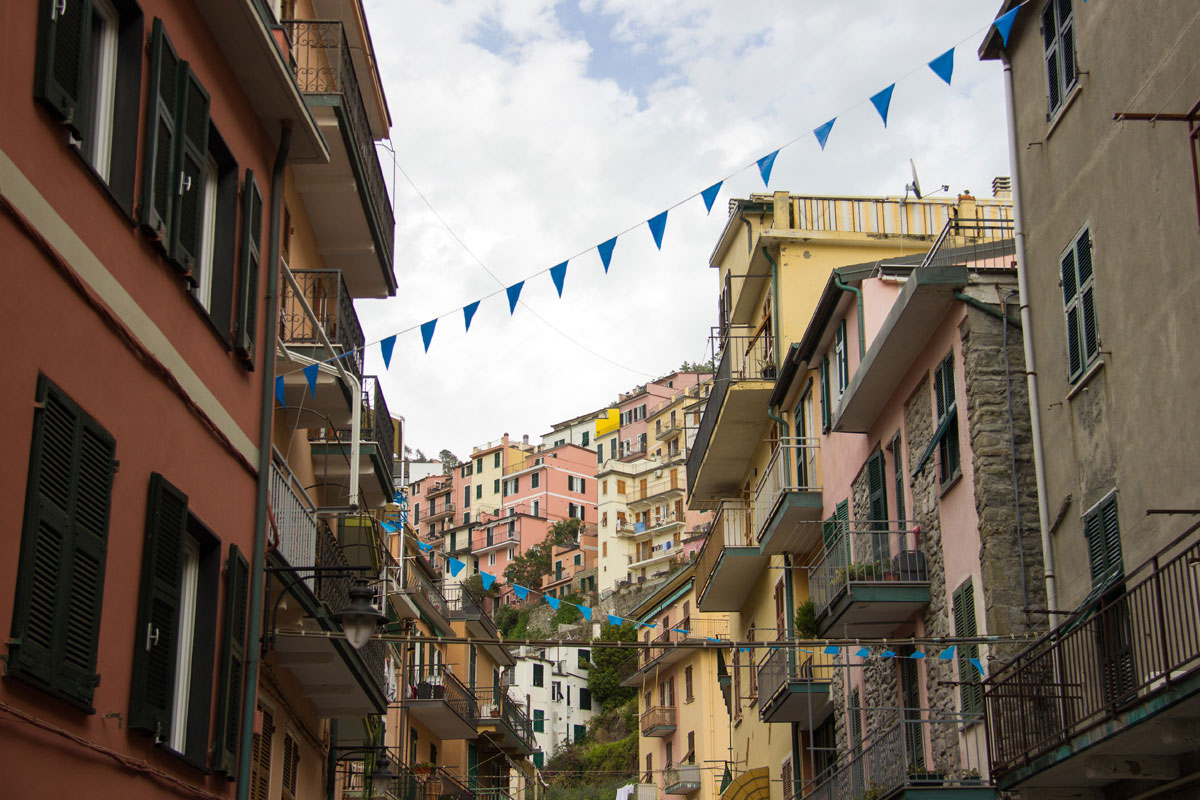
<point x="915" y="186"/>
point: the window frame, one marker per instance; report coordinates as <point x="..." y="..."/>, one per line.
<point x="1059" y="45"/>
<point x="1079" y="299"/>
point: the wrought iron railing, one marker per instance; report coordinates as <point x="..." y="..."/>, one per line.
<point x="1119" y="651"/>
<point x="792" y="468"/>
<point x="439" y="488"/>
<point x="681" y="779"/>
<point x="865" y="552"/>
<point x="325" y="292"/>
<point x="974" y="243"/>
<point x="465" y="605"/>
<point x="491" y="537"/>
<point x="334" y="592"/>
<point x="293" y="519"/>
<point x="377" y="423"/>
<point x="447" y="510"/>
<point x="324" y="67"/>
<point x="789" y="665"/>
<point x="497" y="704"/>
<point x="657" y="717"/>
<point x="442" y="785"/>
<point x="436" y="682"/>
<point x="731" y="528"/>
<point x="652" y="489"/>
<point x="415" y="582"/>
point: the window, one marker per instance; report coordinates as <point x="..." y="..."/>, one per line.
<point x="575" y="484"/>
<point x="585" y="439"/>
<point x="1058" y="37"/>
<point x="479" y="465"/>
<point x="539" y="720"/>
<point x="556" y="692"/>
<point x="496" y="486"/>
<point x="898" y="475"/>
<point x="604" y="549"/>
<point x="413" y="740"/>
<point x="826" y="410"/>
<point x="467" y="497"/>
<point x="512" y="486"/>
<point x="970" y="688"/>
<point x="260" y="756"/>
<point x="600" y="453"/>
<point x="1102" y="529"/>
<point x="1079" y="305"/>
<point x="690" y="756"/>
<point x="785" y="774"/>
<point x="946" y="408"/>
<point x="539" y="759"/>
<point x="620" y="486"/>
<point x="580" y="733"/>
<point x="478" y="491"/>
<point x="536" y="508"/>
<point x="212" y="274"/>
<point x="496" y="459"/>
<point x="492" y="559"/>
<point x="585" y="662"/>
<point x="539" y="675"/>
<point x="649" y="776"/>
<point x="291" y="764"/>
<point x="604" y="487"/>
<point x="578" y="559"/>
<point x="60" y="573"/>
<point x="842" y="356"/>
<point x="687" y="684"/>
<point x="535" y="480"/>
<point x="574" y="510"/>
<point x="416" y="513"/>
<point x="512" y="553"/>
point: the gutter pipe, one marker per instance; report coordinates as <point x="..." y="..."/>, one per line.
<point x="862" y="337"/>
<point x="985" y="308"/>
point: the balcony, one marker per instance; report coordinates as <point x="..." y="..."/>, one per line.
<point x="506" y="721"/>
<point x="658" y="721"/>
<point x="728" y="560"/>
<point x="664" y="650"/>
<point x="425" y="598"/>
<point x="788" y="498"/>
<point x="294" y="518"/>
<point x="496" y="537"/>
<point x="440" y="702"/>
<point x="870" y="579"/>
<point x="734" y="418"/>
<point x="656" y="491"/>
<point x="912" y="758"/>
<point x="330" y="449"/>
<point x="444" y="512"/>
<point x="1118" y="685"/>
<point x="681" y="779"/>
<point x="441" y="785"/>
<point x="439" y="488"/>
<point x="354" y="777"/>
<point x="476" y="613"/>
<point x="793" y="686"/>
<point x="347" y="199"/>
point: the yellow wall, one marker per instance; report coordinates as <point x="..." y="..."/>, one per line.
<point x="610" y="423"/>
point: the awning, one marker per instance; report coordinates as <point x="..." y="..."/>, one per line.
<point x="752" y="785"/>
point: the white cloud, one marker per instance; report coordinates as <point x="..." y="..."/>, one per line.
<point x="535" y="154"/>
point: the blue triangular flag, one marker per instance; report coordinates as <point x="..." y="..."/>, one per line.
<point x="712" y="638"/>
<point x="764" y="166"/>
<point x="947" y="654"/>
<point x="425" y="547"/>
<point x="745" y="649"/>
<point x="681" y="630"/>
<point x="647" y="624"/>
<point x="385" y="350"/>
<point x="977" y="664"/>
<point x="882" y="100"/>
<point x="487" y="579"/>
<point x="888" y="654"/>
<point x="822" y="133"/>
<point x="658" y="224"/>
<point x="863" y="652"/>
<point x="943" y="65"/>
<point x="559" y="274"/>
<point x="279" y="390"/>
<point x="514" y="294"/>
<point x="389" y="527"/>
<point x="586" y="611"/>
<point x="917" y="654"/>
<point x="520" y="591"/>
<point x="455" y="566"/>
<point x="831" y="650"/>
<point x="605" y="249"/>
<point x="427" y="332"/>
<point x="469" y="312"/>
<point x="310" y="375"/>
<point x="1004" y="24"/>
<point x="710" y="195"/>
<point x="553" y="601"/>
<point x="613" y="619"/>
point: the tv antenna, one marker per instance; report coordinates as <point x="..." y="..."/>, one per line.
<point x="915" y="186"/>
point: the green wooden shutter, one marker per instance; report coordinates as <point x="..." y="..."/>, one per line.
<point x="1071" y="308"/>
<point x="160" y="175"/>
<point x="60" y="575"/>
<point x="1102" y="529"/>
<point x="61" y="73"/>
<point x="971" y="690"/>
<point x="826" y="413"/>
<point x="247" y="320"/>
<point x="193" y="157"/>
<point x="158" y="609"/>
<point x="1089" y="334"/>
<point x="898" y="469"/>
<point x="876" y="488"/>
<point x="1093" y="530"/>
<point x="233" y="660"/>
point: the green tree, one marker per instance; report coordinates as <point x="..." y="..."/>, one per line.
<point x="603" y="680"/>
<point x="567" y="613"/>
<point x="449" y="461"/>
<point x="528" y="568"/>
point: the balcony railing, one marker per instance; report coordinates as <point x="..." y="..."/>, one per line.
<point x="326" y="294"/>
<point x="334" y="592"/>
<point x="731" y="528"/>
<point x="415" y="582"/>
<point x="896" y="758"/>
<point x="293" y="519"/>
<point x="792" y="468"/>
<point x="866" y="552"/>
<point x="377" y="425"/>
<point x="465" y="605"/>
<point x="651" y="490"/>
<point x="681" y="779"/>
<point x="1131" y="648"/>
<point x="436" y="682"/>
<point x="324" y="68"/>
<point x="446" y="510"/>
<point x="439" y="488"/>
<point x="975" y="243"/>
<point x="441" y="785"/>
<point x="494" y="537"/>
<point x="658" y="720"/>
<point x="781" y="667"/>
<point x="497" y="704"/>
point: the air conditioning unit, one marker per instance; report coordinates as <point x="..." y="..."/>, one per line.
<point x="658" y="473"/>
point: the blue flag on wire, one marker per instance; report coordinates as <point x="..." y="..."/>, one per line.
<point x="389" y="527"/>
<point x="888" y="654"/>
<point x="487" y="579"/>
<point x="455" y="566"/>
<point x="882" y="101"/>
<point x="425" y="547"/>
<point x="822" y="133"/>
<point x="385" y="350"/>
<point x="712" y="639"/>
<point x="947" y="654"/>
<point x="279" y="390"/>
<point x="613" y="619"/>
<point x="863" y="652"/>
<point x="520" y="591"/>
<point x="710" y="195"/>
<point x="943" y="66"/>
<point x="586" y="611"/>
<point x="427" y="332"/>
<point x="658" y="224"/>
<point x="559" y="276"/>
<point x="977" y="664"/>
<point x="1004" y="24"/>
<point x="469" y="312"/>
<point x="831" y="650"/>
<point x="605" y="249"/>
<point x="552" y="601"/>
<point x="681" y="630"/>
<point x="764" y="166"/>
<point x="310" y="375"/>
<point x="514" y="294"/>
<point x="917" y="654"/>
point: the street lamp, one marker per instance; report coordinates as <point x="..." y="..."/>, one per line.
<point x="360" y="619"/>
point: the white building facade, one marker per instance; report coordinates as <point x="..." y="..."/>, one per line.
<point x="552" y="684"/>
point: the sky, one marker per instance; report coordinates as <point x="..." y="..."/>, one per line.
<point x="526" y="132"/>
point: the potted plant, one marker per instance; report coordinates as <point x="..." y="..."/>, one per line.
<point x="806" y="620"/>
<point x="918" y="774"/>
<point x="970" y="777"/>
<point x="910" y="564"/>
<point x="423" y="768"/>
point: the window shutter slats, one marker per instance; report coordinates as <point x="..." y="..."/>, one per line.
<point x="1083" y="256"/>
<point x="249" y="264"/>
<point x="260" y="757"/>
<point x="60" y="74"/>
<point x="158" y="609"/>
<point x="898" y="468"/>
<point x="1074" y="345"/>
<point x="1067" y="268"/>
<point x="875" y="487"/>
<point x="160" y="180"/>
<point x="193" y="152"/>
<point x="1112" y="537"/>
<point x="233" y="660"/>
<point x="965" y="627"/>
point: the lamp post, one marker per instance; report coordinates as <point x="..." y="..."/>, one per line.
<point x="359" y="619"/>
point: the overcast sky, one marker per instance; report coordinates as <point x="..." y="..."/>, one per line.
<point x="538" y="130"/>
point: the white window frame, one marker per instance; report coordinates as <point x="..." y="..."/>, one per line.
<point x="492" y="559"/>
<point x="188" y="594"/>
<point x="105" y="25"/>
<point x="842" y="358"/>
<point x="208" y="234"/>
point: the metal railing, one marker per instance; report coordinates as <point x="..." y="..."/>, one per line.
<point x="782" y="667"/>
<point x="447" y="509"/>
<point x="681" y="779"/>
<point x="442" y="785"/>
<point x="865" y="552"/>
<point x="415" y="582"/>
<point x="638" y="493"/>
<point x="657" y="717"/>
<point x="1120" y="651"/>
<point x="497" y="704"/>
<point x="465" y="605"/>
<point x="792" y="468"/>
<point x="664" y="642"/>
<point x="493" y="537"/>
<point x="334" y="592"/>
<point x="436" y="682"/>
<point x="376" y="426"/>
<point x="439" y="487"/>
<point x="731" y="528"/>
<point x="323" y="65"/>
<point x="293" y="519"/>
<point x="974" y="243"/>
<point x="331" y="304"/>
<point x="912" y="751"/>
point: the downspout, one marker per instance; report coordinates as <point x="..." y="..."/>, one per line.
<point x="985" y="308"/>
<point x="1035" y="406"/>
<point x="259" y="552"/>
<point x="862" y="337"/>
<point x="789" y="597"/>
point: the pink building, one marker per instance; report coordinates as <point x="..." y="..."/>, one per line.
<point x="630" y="441"/>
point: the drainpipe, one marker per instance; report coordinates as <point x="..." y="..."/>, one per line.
<point x="862" y="337"/>
<point x="985" y="308"/>
<point x="774" y="307"/>
<point x="789" y="626"/>
<point x="259" y="552"/>
<point x="1035" y="406"/>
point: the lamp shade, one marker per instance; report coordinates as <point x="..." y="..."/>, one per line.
<point x="359" y="619"/>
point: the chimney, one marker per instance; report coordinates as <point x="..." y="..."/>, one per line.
<point x="966" y="207"/>
<point x="525" y="439"/>
<point x="1002" y="187"/>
